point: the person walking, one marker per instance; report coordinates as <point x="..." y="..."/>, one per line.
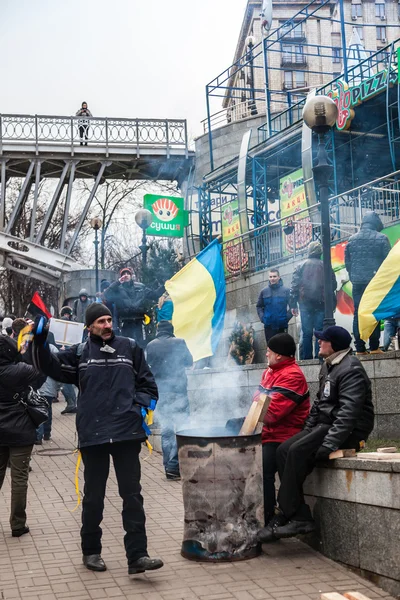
<point x="168" y="358"/>
<point x="115" y="385"/>
<point x="83" y="123"/>
<point x="363" y="255"/>
<point x="341" y="417"/>
<point x="289" y="405"/>
<point x="17" y="430"/>
<point x="273" y="306"/>
<point x="307" y="290"/>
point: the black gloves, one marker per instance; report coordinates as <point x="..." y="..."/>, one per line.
<point x="323" y="453"/>
<point x="40" y="330"/>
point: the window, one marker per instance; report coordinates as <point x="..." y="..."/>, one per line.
<point x="360" y="32"/>
<point x="291" y="30"/>
<point x="292" y="54"/>
<point x="336" y="55"/>
<point x="356" y="11"/>
<point x="380" y="10"/>
<point x="294" y="79"/>
<point x="381" y="34"/>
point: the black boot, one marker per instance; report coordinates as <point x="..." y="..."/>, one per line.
<point x="94" y="562"/>
<point x="145" y="563"/>
<point x="293" y="528"/>
<point x="267" y="534"/>
<point x="19" y="532"/>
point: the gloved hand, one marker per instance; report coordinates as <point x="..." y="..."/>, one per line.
<point x="323" y="453"/>
<point x="40" y="330"/>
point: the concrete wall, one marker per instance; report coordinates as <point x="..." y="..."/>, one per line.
<point x="226" y="145"/>
<point x="356" y="504"/>
<point x="86" y="278"/>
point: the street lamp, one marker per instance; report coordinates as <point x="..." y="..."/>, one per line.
<point x="320" y="114"/>
<point x="95" y="224"/>
<point x="144" y="218"/>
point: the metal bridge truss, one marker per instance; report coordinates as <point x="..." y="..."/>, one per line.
<point x="35" y="148"/>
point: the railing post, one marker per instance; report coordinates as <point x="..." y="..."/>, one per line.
<point x="107" y="137"/>
<point x="36" y="136"/>
<point x="137" y="139"/>
<point x="167" y="137"/>
<point x="72" y="136"/>
<point x="186" y="140"/>
<point x="1" y="135"/>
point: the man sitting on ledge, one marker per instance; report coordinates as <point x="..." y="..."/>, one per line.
<point x="341" y="416"/>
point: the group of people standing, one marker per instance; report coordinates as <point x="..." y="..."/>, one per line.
<point x="364" y="254"/>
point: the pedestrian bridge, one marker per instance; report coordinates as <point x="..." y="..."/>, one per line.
<point x="38" y="147"/>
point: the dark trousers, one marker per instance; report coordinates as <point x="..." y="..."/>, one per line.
<point x="296" y="460"/>
<point x="269" y="332"/>
<point x="19" y="457"/>
<point x="312" y="319"/>
<point x="96" y="460"/>
<point x="45" y="428"/>
<point x="269" y="471"/>
<point x="134" y="330"/>
<point x="358" y="290"/>
<point x="83" y="133"/>
<point x="69" y="394"/>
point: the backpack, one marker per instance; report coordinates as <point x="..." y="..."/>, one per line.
<point x="312" y="281"/>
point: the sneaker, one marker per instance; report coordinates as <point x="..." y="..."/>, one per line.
<point x="47" y="438"/>
<point x="38" y="443"/>
<point x="145" y="563"/>
<point x="362" y="353"/>
<point x="267" y="533"/>
<point x="377" y="351"/>
<point x="172" y="476"/>
<point x="293" y="528"/>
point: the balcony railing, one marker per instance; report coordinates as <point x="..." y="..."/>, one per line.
<point x="294" y="34"/>
<point x="294" y="85"/>
<point x="293" y="58"/>
<point x="105" y="132"/>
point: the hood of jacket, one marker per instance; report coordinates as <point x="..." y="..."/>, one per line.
<point x="371" y="221"/>
<point x="8" y="350"/>
<point x="83" y="292"/>
<point x="165" y="329"/>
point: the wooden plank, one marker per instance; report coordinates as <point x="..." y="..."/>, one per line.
<point x="356" y="596"/>
<point x="387" y="450"/>
<point x="345" y="453"/>
<point x="380" y="455"/>
<point x="255" y="415"/>
<point x="332" y="596"/>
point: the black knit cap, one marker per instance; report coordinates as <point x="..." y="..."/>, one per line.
<point x="94" y="311"/>
<point x="282" y="343"/>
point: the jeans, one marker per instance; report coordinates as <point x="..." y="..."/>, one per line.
<point x="389" y="331"/>
<point x="172" y="413"/>
<point x="269" y="470"/>
<point x="358" y="290"/>
<point x="68" y="391"/>
<point x="269" y="332"/>
<point x="312" y="319"/>
<point x="19" y="457"/>
<point x="96" y="460"/>
<point x="45" y="428"/>
<point x="83" y="133"/>
<point x="134" y="330"/>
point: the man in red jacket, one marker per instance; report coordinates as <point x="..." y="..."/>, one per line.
<point x="286" y="387"/>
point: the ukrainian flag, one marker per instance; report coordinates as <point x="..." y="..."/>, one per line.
<point x="381" y="299"/>
<point x="198" y="294"/>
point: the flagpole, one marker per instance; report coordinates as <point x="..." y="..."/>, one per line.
<point x="344" y="45"/>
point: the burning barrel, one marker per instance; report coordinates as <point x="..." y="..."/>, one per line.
<point x="222" y="494"/>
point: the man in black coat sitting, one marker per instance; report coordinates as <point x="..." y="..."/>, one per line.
<point x="116" y="386"/>
<point x="341" y="417"/>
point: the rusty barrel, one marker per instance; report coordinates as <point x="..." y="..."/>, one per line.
<point x="222" y="494"/>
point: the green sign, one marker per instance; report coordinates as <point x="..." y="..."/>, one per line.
<point x="169" y="216"/>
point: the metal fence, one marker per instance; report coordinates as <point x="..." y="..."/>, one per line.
<point x="287" y="239"/>
<point x="108" y="132"/>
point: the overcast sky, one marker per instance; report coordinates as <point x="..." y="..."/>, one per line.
<point x="126" y="58"/>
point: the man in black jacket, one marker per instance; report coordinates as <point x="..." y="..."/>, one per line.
<point x="273" y="306"/>
<point x="364" y="254"/>
<point x="341" y="417"/>
<point x="168" y="357"/>
<point x="130" y="298"/>
<point x="115" y="385"/>
<point x="307" y="290"/>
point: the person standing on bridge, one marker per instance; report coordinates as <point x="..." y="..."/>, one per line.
<point x="83" y="124"/>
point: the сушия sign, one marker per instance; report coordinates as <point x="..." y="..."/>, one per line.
<point x="169" y="216"/>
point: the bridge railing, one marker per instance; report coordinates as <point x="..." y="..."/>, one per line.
<point x="105" y="132"/>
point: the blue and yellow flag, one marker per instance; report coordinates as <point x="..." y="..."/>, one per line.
<point x="198" y="295"/>
<point x="381" y="299"/>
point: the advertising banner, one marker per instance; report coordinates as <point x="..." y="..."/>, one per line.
<point x="169" y="216"/>
<point x="293" y="200"/>
<point x="235" y="257"/>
